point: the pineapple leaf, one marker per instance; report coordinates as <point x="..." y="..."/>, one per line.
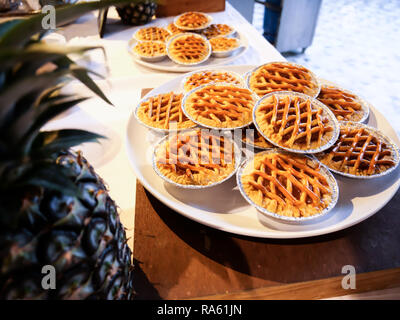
<point x="82" y="74"/>
<point x="11" y="94"/>
<point x="48" y="142"/>
<point x="18" y="33"/>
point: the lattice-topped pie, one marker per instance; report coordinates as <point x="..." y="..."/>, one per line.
<point x="150" y="49"/>
<point x="220" y="106"/>
<point x="361" y="151"/>
<point x="224" y="44"/>
<point x="173" y="29"/>
<point x="195" y="157"/>
<point x="188" y="48"/>
<point x="283" y="76"/>
<point x="192" y="21"/>
<point x="152" y="34"/>
<point x="296" y="122"/>
<point x="253" y="137"/>
<point x="345" y="105"/>
<point x="286" y="184"/>
<point x="216" y="30"/>
<point x="199" y="78"/>
<point x="164" y="112"/>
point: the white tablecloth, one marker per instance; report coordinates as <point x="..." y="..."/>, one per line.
<point x="110" y="160"/>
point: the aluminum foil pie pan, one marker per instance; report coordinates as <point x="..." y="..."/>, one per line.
<point x="157" y="58"/>
<point x="255" y="98"/>
<point x="188" y="34"/>
<point x="232" y="73"/>
<point x="331" y="116"/>
<point x="227" y="53"/>
<point x="365" y="105"/>
<point x="160" y="130"/>
<point x="389" y="142"/>
<point x="313" y="76"/>
<point x="209" y="18"/>
<point x="237" y="158"/>
<point x="293" y="220"/>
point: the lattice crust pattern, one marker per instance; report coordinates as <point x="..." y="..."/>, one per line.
<point x="344" y="105"/>
<point x="188" y="48"/>
<point x="224" y="44"/>
<point x="251" y="136"/>
<point x="152" y="34"/>
<point x="203" y="77"/>
<point x="287" y="185"/>
<point x="294" y="122"/>
<point x="196" y="157"/>
<point x="173" y="29"/>
<point x="164" y="112"/>
<point x="282" y="76"/>
<point x="150" y="49"/>
<point x="217" y="29"/>
<point x="193" y="20"/>
<point x="220" y="106"/>
<point x="359" y="151"/>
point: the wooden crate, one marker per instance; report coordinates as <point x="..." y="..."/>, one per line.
<point x="168" y="8"/>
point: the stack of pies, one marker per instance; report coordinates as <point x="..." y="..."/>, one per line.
<point x="188" y="40"/>
<point x="308" y="130"/>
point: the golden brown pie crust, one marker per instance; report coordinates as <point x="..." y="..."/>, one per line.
<point x="150" y="49"/>
<point x="196" y="157"/>
<point x="289" y="185"/>
<point x="358" y="151"/>
<point x="294" y="122"/>
<point x="152" y="34"/>
<point x="164" y="112"/>
<point x="188" y="48"/>
<point x="220" y="106"/>
<point x="216" y="30"/>
<point x="195" y="20"/>
<point x="283" y="76"/>
<point x="220" y="44"/>
<point x="203" y="77"/>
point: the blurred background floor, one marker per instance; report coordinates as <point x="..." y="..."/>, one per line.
<point x="357" y="45"/>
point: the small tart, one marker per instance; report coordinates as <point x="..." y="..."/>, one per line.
<point x="360" y="151"/>
<point x="216" y="30"/>
<point x="252" y="137"/>
<point x="295" y="122"/>
<point x="173" y="29"/>
<point x="150" y="49"/>
<point x="192" y="21"/>
<point x="220" y="106"/>
<point x="224" y="44"/>
<point x="195" y="157"/>
<point x="188" y="48"/>
<point x="283" y="76"/>
<point x="286" y="184"/>
<point x="199" y="78"/>
<point x="152" y="34"/>
<point x="345" y="105"/>
<point x="164" y="112"/>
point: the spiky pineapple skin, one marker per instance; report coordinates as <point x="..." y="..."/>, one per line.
<point x="81" y="236"/>
<point x="137" y="13"/>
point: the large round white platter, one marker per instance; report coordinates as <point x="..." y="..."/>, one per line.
<point x="224" y="208"/>
<point x="168" y="65"/>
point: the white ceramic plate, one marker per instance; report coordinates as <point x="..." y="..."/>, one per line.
<point x="222" y="207"/>
<point x="168" y="65"/>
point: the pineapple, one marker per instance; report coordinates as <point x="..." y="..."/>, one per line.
<point x="137" y="13"/>
<point x="54" y="208"/>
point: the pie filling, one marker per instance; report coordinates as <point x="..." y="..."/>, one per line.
<point x="282" y="77"/>
<point x="196" y="158"/>
<point x="164" y="112"/>
<point x="294" y="122"/>
<point x="358" y="151"/>
<point x="288" y="185"/>
<point x="220" y="106"/>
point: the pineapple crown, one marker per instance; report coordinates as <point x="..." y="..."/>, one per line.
<point x="32" y="76"/>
